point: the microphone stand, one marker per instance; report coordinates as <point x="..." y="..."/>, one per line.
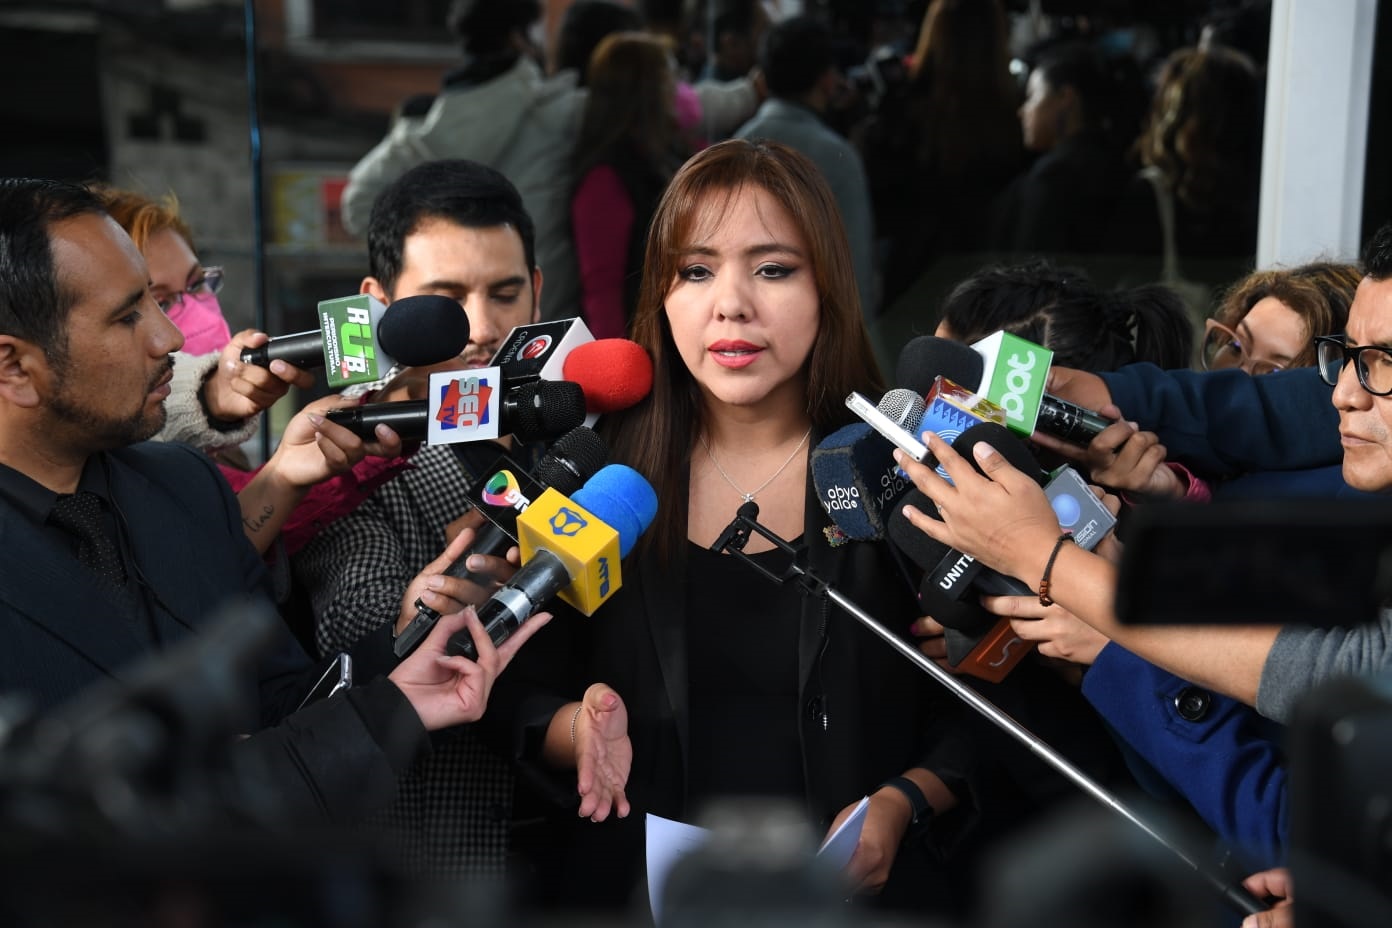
<point x="732" y="541"/>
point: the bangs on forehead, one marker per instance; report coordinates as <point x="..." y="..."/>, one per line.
<point x="710" y="207"/>
<point x="706" y="212"/>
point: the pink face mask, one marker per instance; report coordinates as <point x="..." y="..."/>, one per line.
<point x="200" y="318"/>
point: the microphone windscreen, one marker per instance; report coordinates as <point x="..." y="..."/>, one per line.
<point x="574" y="458"/>
<point x="927" y="356"/>
<point x="904" y="408"/>
<point x="917" y="546"/>
<point x="1000" y="438"/>
<point x="964" y="614"/>
<point x="622" y="499"/>
<point x="545" y="408"/>
<point x="853" y="471"/>
<point x="615" y="373"/>
<point x="418" y="331"/>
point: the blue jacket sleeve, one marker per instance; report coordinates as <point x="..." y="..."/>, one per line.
<point x="1213" y="750"/>
<point x="1222" y="423"/>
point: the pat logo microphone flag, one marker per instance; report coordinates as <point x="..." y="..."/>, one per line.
<point x="585" y="544"/>
<point x="351" y="351"/>
<point x="463" y="406"/>
<point x="1013" y="378"/>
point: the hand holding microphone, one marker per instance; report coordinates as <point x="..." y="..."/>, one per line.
<point x="574" y="459"/>
<point x="414" y="331"/>
<point x="237" y="390"/>
<point x="1056" y="632"/>
<point x="1124" y="458"/>
<point x="1001" y="518"/>
<point x="535" y="411"/>
<point x="313" y="449"/>
<point x="447" y="690"/>
<point x="572" y="548"/>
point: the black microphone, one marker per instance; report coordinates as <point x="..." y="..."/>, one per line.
<point x="535" y="411"/>
<point x="857" y="480"/>
<point x="415" y="331"/>
<point x="978" y="642"/>
<point x="949" y="569"/>
<point x="576" y="457"/>
<point x="926" y="357"/>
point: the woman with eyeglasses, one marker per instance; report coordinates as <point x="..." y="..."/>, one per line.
<point x="1269" y="319"/>
<point x="319" y="470"/>
<point x="215" y="398"/>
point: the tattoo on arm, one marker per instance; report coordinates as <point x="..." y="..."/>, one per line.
<point x="254" y="523"/>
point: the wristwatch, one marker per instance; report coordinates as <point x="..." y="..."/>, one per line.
<point x="922" y="811"/>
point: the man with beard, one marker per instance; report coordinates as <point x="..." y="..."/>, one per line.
<point x="117" y="548"/>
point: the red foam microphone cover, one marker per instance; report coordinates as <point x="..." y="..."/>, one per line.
<point x="615" y="373"/>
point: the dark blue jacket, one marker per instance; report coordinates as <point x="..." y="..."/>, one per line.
<point x="1223" y="423"/>
<point x="1276" y="435"/>
<point x="1218" y="754"/>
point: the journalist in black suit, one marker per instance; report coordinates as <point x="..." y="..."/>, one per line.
<point x="116" y="549"/>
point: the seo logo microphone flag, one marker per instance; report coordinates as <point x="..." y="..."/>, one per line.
<point x="464" y="406"/>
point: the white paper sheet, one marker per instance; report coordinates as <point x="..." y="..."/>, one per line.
<point x="838" y="848"/>
<point x="669" y="841"/>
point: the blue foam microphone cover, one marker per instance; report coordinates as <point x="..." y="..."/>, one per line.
<point x="622" y="499"/>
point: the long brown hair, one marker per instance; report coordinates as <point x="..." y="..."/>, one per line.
<point x="656" y="436"/>
<point x="1204" y="128"/>
<point x="630" y="102"/>
<point x="1320" y="293"/>
<point x="961" y="67"/>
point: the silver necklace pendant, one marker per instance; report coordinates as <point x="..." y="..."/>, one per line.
<point x="749" y="496"/>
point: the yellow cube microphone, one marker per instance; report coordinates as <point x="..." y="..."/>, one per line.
<point x="571" y="547"/>
<point x="585" y="544"/>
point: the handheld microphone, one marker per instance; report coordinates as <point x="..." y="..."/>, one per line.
<point x="538" y="350"/>
<point x="359" y="339"/>
<point x="857" y="480"/>
<point x="572" y="548"/>
<point x="1008" y="371"/>
<point x="978" y="642"/>
<point x="576" y="457"/>
<point x="903" y="407"/>
<point x="534" y="411"/>
<point x="615" y="373"/>
<point x="895" y="433"/>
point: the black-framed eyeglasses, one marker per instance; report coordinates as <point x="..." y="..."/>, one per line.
<point x="1372" y="363"/>
<point x="206" y="284"/>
